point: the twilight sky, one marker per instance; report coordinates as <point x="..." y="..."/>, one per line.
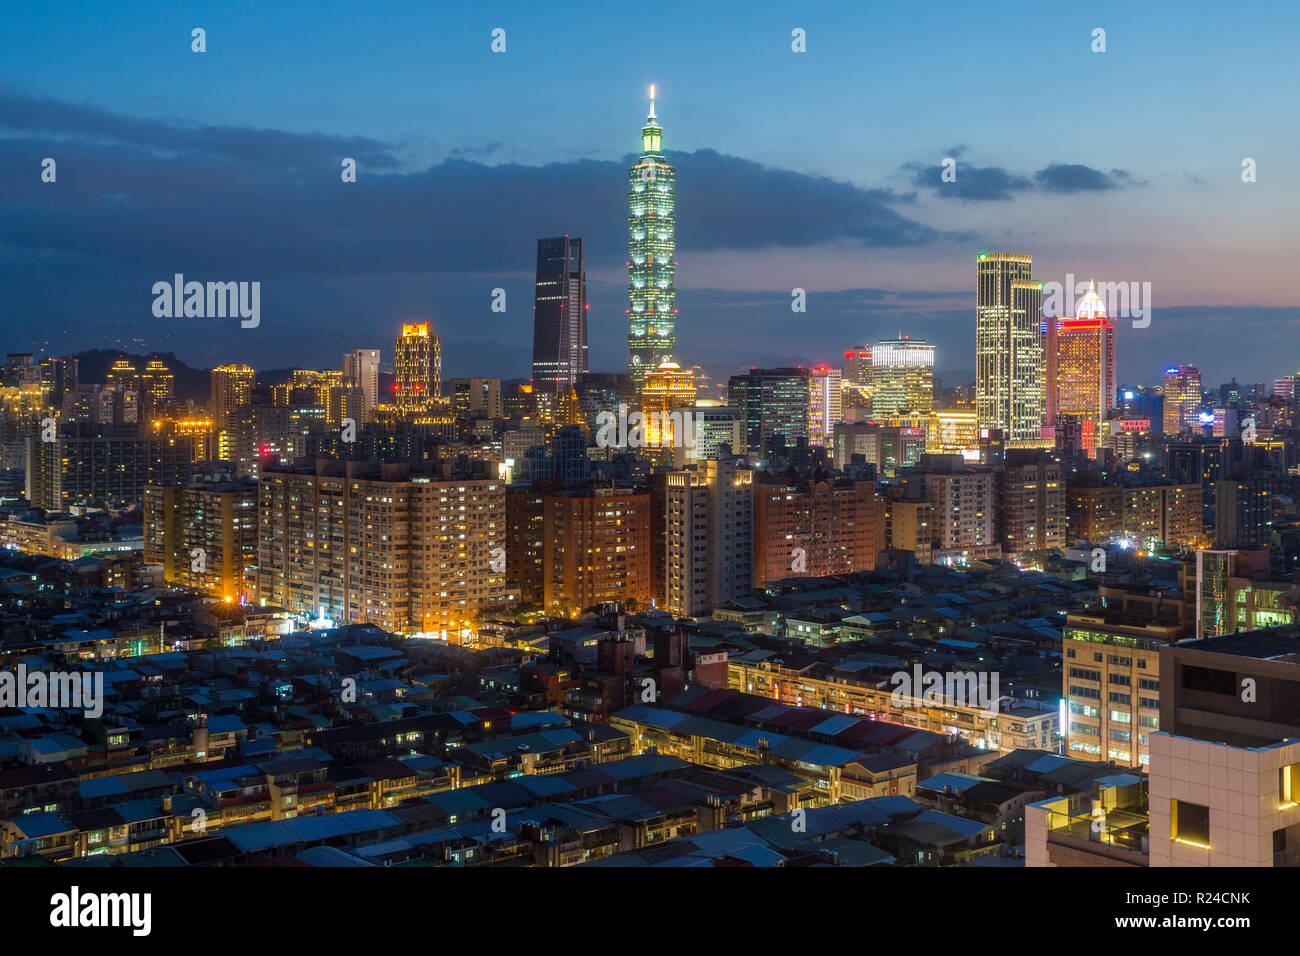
<point x="817" y="170"/>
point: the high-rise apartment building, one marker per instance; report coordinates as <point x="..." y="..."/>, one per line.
<point x="157" y="384"/>
<point x="965" y="509"/>
<point x="1008" y="348"/>
<point x="1031" y="503"/>
<point x="902" y="372"/>
<point x="814" y="529"/>
<point x="203" y="535"/>
<point x="122" y="375"/>
<point x="597" y="548"/>
<point x="651" y="254"/>
<point x="559" y="314"/>
<point x="1182" y="398"/>
<point x="60" y="375"/>
<point x="709" y="545"/>
<point x="232" y="386"/>
<point x="361" y="370"/>
<point x="419" y="368"/>
<point x="412" y="551"/>
<point x="1243" y="513"/>
<point x="1141" y="515"/>
<point x="107" y="465"/>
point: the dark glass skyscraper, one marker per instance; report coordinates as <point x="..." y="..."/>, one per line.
<point x="559" y="314"/>
<point x="651" y="254"/>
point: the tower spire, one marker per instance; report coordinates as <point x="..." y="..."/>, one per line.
<point x="652" y="101"/>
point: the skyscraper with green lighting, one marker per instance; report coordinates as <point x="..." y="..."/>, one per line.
<point x="651" y="254"/>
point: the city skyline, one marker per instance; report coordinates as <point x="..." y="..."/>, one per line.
<point x="865" y="229"/>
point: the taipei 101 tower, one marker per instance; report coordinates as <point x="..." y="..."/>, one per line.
<point x="651" y="254"/>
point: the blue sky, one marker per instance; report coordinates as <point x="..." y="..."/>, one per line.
<point x="817" y="170"/>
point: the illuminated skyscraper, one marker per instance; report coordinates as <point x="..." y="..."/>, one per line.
<point x="903" y="375"/>
<point x="559" y="314"/>
<point x="156" y="384"/>
<point x="1182" y="398"/>
<point x="123" y="376"/>
<point x="361" y="369"/>
<point x="1079" y="362"/>
<point x="651" y="250"/>
<point x="666" y="388"/>
<point x="1008" y="348"/>
<point x="419" y="368"/>
<point x="232" y="386"/>
<point x="824" y="405"/>
<point x="857" y="366"/>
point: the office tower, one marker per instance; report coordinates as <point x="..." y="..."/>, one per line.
<point x="651" y="254"/>
<point x="902" y="373"/>
<point x="714" y="426"/>
<point x="858" y="367"/>
<point x="60" y="375"/>
<point x="476" y="397"/>
<point x="597" y="548"/>
<point x="1031" y="503"/>
<point x="824" y="387"/>
<point x="156" y="390"/>
<point x="666" y="388"/>
<point x="204" y="535"/>
<point x="1111" y="674"/>
<point x="888" y="447"/>
<point x="1182" y="398"/>
<point x="1285" y="387"/>
<point x="1243" y="513"/>
<point x="559" y="314"/>
<point x="1079" y="361"/>
<point x="562" y="457"/>
<point x="709" y="546"/>
<point x="419" y="368"/>
<point x="361" y="369"/>
<point x="414" y="551"/>
<point x="815" y="528"/>
<point x="1008" y="350"/>
<point x="772" y="402"/>
<point x="232" y="386"/>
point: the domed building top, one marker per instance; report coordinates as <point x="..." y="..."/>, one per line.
<point x="1090" y="306"/>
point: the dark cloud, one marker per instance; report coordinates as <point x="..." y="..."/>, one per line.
<point x="995" y="183"/>
<point x="1076" y="178"/>
<point x="972" y="183"/>
<point x="265" y="202"/>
